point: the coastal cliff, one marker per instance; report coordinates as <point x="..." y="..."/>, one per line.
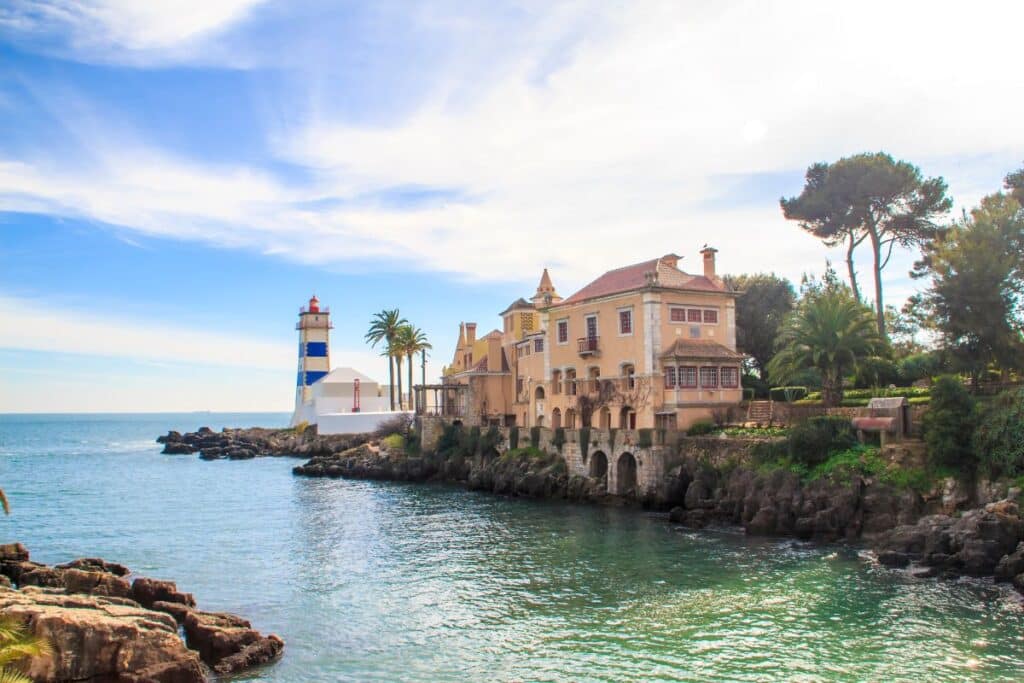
<point x="101" y="626"/>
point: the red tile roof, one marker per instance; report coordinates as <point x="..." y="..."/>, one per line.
<point x="701" y="348"/>
<point x="635" y="277"/>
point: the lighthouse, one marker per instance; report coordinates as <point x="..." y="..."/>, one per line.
<point x="314" y="328"/>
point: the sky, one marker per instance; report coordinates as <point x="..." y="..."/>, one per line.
<point x="177" y="178"/>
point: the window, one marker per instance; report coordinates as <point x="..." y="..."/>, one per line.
<point x="526" y="321"/>
<point x="538" y="345"/>
<point x="519" y="386"/>
<point x="591" y="327"/>
<point x="508" y="323"/>
<point x="626" y="321"/>
<point x="730" y="378"/>
<point x="670" y="377"/>
<point x="563" y="331"/>
<point x="708" y="378"/>
<point x="677" y="315"/>
<point x="688" y="377"/>
<point x="556" y="382"/>
<point x="630" y="373"/>
<point x="693" y="315"/>
<point x="524" y="350"/>
<point x="570" y="382"/>
<point x="710" y="316"/>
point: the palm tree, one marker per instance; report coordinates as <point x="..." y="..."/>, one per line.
<point x="383" y="328"/>
<point x="4" y="504"/>
<point x="831" y="332"/>
<point x="413" y="340"/>
<point x="17" y="643"/>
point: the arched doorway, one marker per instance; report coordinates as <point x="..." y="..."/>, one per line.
<point x="606" y="418"/>
<point x="556" y="419"/>
<point x="598" y="465"/>
<point x="570" y="419"/>
<point x="625" y="474"/>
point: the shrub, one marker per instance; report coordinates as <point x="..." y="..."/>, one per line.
<point x="535" y="437"/>
<point x="513" y="437"/>
<point x="755" y="384"/>
<point x="398" y="424"/>
<point x="451" y="437"/>
<point x="813" y="441"/>
<point x="700" y="428"/>
<point x="584" y="442"/>
<point x="490" y="440"/>
<point x="645" y="438"/>
<point x="528" y="452"/>
<point x="948" y="426"/>
<point x="918" y="366"/>
<point x="558" y="439"/>
<point x="787" y="394"/>
<point x="999" y="439"/>
<point x="394" y="442"/>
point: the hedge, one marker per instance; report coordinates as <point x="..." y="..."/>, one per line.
<point x="787" y="394"/>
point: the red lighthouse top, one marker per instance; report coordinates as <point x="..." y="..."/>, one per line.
<point x="314" y="305"/>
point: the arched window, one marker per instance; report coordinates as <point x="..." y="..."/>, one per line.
<point x="556" y="381"/>
<point x="570" y="382"/>
<point x="594" y="374"/>
<point x="570" y="419"/>
<point x="629" y="376"/>
<point x="539" y="394"/>
<point x="556" y="418"/>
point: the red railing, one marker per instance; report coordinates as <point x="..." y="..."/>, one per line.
<point x="588" y="344"/>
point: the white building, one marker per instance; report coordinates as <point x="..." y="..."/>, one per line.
<point x="338" y="401"/>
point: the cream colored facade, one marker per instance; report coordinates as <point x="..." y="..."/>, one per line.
<point x="643" y="346"/>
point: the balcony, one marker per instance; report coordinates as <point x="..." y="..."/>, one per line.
<point x="588" y="346"/>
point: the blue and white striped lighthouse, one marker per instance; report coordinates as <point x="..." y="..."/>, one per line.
<point x="314" y="328"/>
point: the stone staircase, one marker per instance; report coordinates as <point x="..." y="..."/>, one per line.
<point x="759" y="412"/>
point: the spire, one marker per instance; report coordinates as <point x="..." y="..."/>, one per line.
<point x="462" y="336"/>
<point x="546" y="294"/>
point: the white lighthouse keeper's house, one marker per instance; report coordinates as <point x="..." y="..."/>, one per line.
<point x="338" y="401"/>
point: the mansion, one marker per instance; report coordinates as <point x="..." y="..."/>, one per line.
<point x="643" y="346"/>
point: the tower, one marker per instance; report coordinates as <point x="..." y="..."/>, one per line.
<point x="314" y="328"/>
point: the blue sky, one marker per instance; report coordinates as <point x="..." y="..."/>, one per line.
<point x="177" y="178"/>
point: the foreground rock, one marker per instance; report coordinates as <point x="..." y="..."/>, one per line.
<point x="104" y="628"/>
<point x="98" y="638"/>
<point x="243" y="444"/>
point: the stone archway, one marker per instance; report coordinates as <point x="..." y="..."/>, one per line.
<point x="598" y="464"/>
<point x="625" y="475"/>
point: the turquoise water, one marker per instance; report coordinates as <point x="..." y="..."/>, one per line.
<point x="390" y="582"/>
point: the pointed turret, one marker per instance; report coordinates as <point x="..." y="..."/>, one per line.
<point x="546" y="294"/>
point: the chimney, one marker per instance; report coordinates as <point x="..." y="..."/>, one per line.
<point x="471" y="330"/>
<point x="709" y="262"/>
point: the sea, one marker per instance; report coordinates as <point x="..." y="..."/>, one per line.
<point x="378" y="581"/>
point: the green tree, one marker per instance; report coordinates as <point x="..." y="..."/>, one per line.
<point x="1015" y="184"/>
<point x="412" y="340"/>
<point x="384" y="328"/>
<point x="974" y="300"/>
<point x="872" y="198"/>
<point x="948" y="426"/>
<point x="999" y="438"/>
<point x="16" y="644"/>
<point x="765" y="302"/>
<point x="831" y="332"/>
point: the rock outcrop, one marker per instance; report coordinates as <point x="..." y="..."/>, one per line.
<point x="98" y="638"/>
<point x="988" y="541"/>
<point x="102" y="627"/>
<point x="244" y="444"/>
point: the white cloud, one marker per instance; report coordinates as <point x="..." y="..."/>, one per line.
<point x="609" y="158"/>
<point x="126" y="30"/>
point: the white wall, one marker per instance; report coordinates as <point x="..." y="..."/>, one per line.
<point x="353" y="423"/>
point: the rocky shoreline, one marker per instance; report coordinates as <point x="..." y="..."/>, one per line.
<point x="953" y="531"/>
<point x="256" y="442"/>
<point x="103" y="627"/>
